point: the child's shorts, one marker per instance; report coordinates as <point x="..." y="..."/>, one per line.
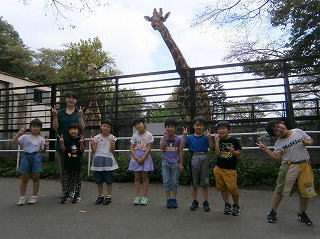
<point x="30" y="163"/>
<point x="289" y="173"/>
<point x="226" y="180"/>
<point x="104" y="177"/>
<point x="199" y="169"/>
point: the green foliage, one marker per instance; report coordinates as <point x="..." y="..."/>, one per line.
<point x="15" y="57"/>
<point x="251" y="171"/>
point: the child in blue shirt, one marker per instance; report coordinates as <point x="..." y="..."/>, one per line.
<point x="198" y="144"/>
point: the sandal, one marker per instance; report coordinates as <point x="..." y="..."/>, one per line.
<point x="136" y="201"/>
<point x="144" y="201"/>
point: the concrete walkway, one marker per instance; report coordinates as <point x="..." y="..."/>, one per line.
<point x="49" y="219"/>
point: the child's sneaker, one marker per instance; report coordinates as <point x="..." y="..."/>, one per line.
<point x="65" y="199"/>
<point x="144" y="201"/>
<point x="136" y="201"/>
<point x="194" y="205"/>
<point x="107" y="200"/>
<point x="21" y="201"/>
<point x="235" y="210"/>
<point x="272" y="216"/>
<point x="169" y="203"/>
<point x="76" y="198"/>
<point x="303" y="218"/>
<point x="99" y="199"/>
<point x="227" y="208"/>
<point x="206" y="206"/>
<point x="174" y="203"/>
<point x="33" y="200"/>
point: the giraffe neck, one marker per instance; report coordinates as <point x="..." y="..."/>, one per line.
<point x="177" y="56"/>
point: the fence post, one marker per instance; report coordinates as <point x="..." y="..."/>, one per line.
<point x="116" y="95"/>
<point x="52" y="133"/>
<point x="193" y="98"/>
<point x="288" y="98"/>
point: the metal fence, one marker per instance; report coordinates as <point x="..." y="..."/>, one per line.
<point x="247" y="94"/>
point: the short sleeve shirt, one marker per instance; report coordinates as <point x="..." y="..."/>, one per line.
<point x="172" y="149"/>
<point x="141" y="141"/>
<point x="64" y="121"/>
<point x="31" y="143"/>
<point x="226" y="159"/>
<point x="292" y="148"/>
<point x="73" y="154"/>
<point x="197" y="143"/>
<point x="103" y="145"/>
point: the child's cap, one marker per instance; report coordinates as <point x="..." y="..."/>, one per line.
<point x="224" y="124"/>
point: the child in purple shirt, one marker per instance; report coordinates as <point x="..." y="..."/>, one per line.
<point x="172" y="163"/>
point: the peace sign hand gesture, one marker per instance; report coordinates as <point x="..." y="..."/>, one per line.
<point x="184" y="132"/>
<point x="80" y="112"/>
<point x="216" y="138"/>
<point x="60" y="138"/>
<point x="54" y="111"/>
<point x="208" y="132"/>
<point x="262" y="146"/>
<point x="22" y="130"/>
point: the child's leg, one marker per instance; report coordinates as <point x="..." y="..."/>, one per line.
<point x="303" y="204"/>
<point x="194" y="192"/>
<point x="145" y="181"/>
<point x="23" y="185"/>
<point x="137" y="179"/>
<point x="77" y="182"/>
<point x="109" y="189"/>
<point x="205" y="191"/>
<point x="67" y="182"/>
<point x="174" y="180"/>
<point x="225" y="196"/>
<point x="276" y="199"/>
<point x="36" y="183"/>
<point x="166" y="178"/>
<point x="100" y="189"/>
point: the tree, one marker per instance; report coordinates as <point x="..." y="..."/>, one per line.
<point x="15" y="57"/>
<point x="297" y="23"/>
<point x="62" y="10"/>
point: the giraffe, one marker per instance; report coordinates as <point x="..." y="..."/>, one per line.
<point x="202" y="101"/>
<point x="93" y="115"/>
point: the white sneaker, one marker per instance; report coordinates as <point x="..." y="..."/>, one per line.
<point x="33" y="200"/>
<point x="21" y="201"/>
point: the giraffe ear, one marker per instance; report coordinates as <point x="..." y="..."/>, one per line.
<point x="166" y="16"/>
<point x="148" y="18"/>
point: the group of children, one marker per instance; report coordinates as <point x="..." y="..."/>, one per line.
<point x="290" y="148"/>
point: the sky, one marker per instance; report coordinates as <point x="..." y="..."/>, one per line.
<point x="124" y="32"/>
<point x="128" y="37"/>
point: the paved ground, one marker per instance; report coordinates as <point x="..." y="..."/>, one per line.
<point x="49" y="219"/>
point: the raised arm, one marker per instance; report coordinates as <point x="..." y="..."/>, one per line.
<point x="82" y="146"/>
<point x="211" y="146"/>
<point x="184" y="138"/>
<point x="55" y="122"/>
<point x="274" y="155"/>
<point x="81" y="121"/>
<point x="216" y="145"/>
<point x="61" y="141"/>
<point x="19" y="134"/>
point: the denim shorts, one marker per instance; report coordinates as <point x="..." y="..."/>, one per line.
<point x="104" y="177"/>
<point x="30" y="163"/>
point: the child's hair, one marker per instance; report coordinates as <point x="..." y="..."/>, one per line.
<point x="271" y="125"/>
<point x="75" y="126"/>
<point x="171" y="122"/>
<point x="224" y="124"/>
<point x="199" y="120"/>
<point x="138" y="120"/>
<point x="106" y="121"/>
<point x="36" y="122"/>
<point x="71" y="94"/>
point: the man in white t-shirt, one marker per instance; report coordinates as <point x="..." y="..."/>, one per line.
<point x="290" y="148"/>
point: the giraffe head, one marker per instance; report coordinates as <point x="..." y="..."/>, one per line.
<point x="157" y="18"/>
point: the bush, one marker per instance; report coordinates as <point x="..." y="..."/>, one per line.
<point x="251" y="172"/>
